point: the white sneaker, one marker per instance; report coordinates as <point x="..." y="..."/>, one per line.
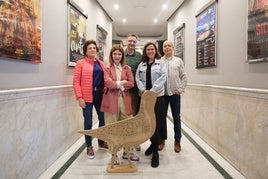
<point x="132" y="156"/>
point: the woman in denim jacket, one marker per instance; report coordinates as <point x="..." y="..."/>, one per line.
<point x="151" y="75"/>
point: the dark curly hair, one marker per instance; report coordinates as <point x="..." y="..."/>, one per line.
<point x="87" y="43"/>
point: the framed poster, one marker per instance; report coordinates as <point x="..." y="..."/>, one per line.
<point x="101" y="42"/>
<point x="20" y="30"/>
<point x="257" y="44"/>
<point x="206" y="35"/>
<point x="179" y="41"/>
<point x="77" y="33"/>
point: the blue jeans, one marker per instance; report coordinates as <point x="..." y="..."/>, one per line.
<point x="87" y="113"/>
<point x="175" y="105"/>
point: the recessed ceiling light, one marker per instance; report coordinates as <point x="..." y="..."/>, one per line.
<point x="164" y="6"/>
<point x="124" y="20"/>
<point x="155" y="20"/>
<point x="116" y="7"/>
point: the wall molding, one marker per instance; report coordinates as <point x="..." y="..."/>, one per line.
<point x="239" y="89"/>
<point x="34" y="89"/>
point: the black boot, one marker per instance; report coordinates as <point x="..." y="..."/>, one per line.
<point x="155" y="160"/>
<point x="149" y="151"/>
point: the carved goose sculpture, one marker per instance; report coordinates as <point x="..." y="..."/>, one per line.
<point x="131" y="131"/>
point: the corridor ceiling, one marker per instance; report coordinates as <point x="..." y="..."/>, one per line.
<point x="146" y="18"/>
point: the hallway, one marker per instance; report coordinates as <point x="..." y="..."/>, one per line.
<point x="196" y="160"/>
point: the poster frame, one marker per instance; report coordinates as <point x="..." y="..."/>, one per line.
<point x="75" y="44"/>
<point x="101" y="41"/>
<point x="257" y="34"/>
<point x="21" y="31"/>
<point x="206" y="35"/>
<point x="179" y="41"/>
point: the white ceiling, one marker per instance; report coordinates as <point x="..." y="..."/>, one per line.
<point x="140" y="15"/>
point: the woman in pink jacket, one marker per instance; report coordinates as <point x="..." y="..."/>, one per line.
<point x="88" y="83"/>
<point x="116" y="101"/>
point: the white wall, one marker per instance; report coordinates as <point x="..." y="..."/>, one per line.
<point x="226" y="105"/>
<point x="39" y="115"/>
<point x="232" y="68"/>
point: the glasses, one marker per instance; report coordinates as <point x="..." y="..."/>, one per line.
<point x="132" y="41"/>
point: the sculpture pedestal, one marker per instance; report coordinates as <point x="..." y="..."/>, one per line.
<point x="121" y="169"/>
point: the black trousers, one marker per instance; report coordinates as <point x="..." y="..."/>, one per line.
<point x="159" y="117"/>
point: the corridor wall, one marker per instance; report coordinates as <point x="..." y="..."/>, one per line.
<point x="39" y="114"/>
<point x="226" y="105"/>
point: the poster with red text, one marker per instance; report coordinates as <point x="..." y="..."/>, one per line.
<point x="257" y="44"/>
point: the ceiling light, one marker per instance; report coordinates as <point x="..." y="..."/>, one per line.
<point x="124" y="20"/>
<point x="116" y="7"/>
<point x="155" y="20"/>
<point x="164" y="6"/>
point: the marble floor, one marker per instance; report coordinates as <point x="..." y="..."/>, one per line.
<point x="195" y="161"/>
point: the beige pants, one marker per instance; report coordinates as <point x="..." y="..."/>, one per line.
<point x="121" y="115"/>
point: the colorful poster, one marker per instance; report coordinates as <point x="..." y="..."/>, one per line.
<point x="206" y="37"/>
<point x="257" y="46"/>
<point x="77" y="37"/>
<point x="20" y="30"/>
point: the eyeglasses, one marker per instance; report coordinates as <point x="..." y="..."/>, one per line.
<point x="132" y="41"/>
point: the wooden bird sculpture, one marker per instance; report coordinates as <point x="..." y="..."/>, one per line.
<point x="129" y="132"/>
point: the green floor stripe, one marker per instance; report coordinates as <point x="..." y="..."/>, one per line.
<point x="223" y="172"/>
<point x="68" y="163"/>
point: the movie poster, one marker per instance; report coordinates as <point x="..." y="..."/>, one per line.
<point x="206" y="36"/>
<point x="257" y="47"/>
<point x="20" y="30"/>
<point x="179" y="42"/>
<point x="101" y="42"/>
<point x="77" y="37"/>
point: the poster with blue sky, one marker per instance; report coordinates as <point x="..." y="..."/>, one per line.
<point x="206" y="36"/>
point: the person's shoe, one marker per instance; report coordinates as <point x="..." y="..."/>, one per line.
<point x="149" y="151"/>
<point x="177" y="146"/>
<point x="90" y="152"/>
<point x="132" y="156"/>
<point x="155" y="160"/>
<point x="161" y="145"/>
<point x="103" y="145"/>
<point x="138" y="148"/>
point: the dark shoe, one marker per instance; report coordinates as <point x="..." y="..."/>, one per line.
<point x="90" y="152"/>
<point x="161" y="145"/>
<point x="177" y="146"/>
<point x="155" y="160"/>
<point x="103" y="145"/>
<point x="138" y="148"/>
<point x="149" y="151"/>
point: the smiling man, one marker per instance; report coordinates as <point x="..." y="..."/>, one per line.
<point x="174" y="87"/>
